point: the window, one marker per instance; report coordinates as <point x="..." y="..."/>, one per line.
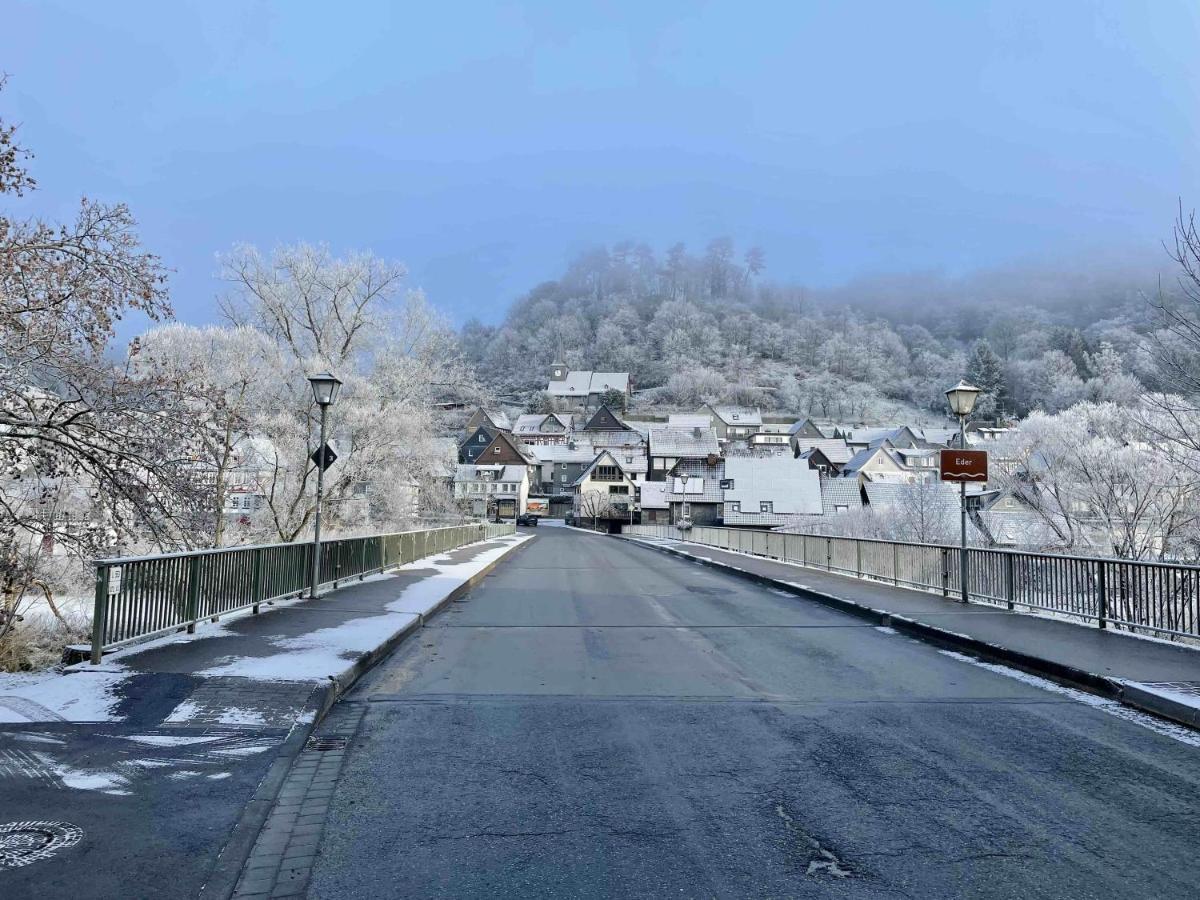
<point x="496" y="451"/>
<point x="618" y="489"/>
<point x="735" y="506"/>
<point x="766" y="506"/>
<point x="606" y="473"/>
<point x="483" y="438"/>
<point x="839" y="508"/>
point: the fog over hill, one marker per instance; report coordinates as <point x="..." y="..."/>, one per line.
<point x="713" y="326"/>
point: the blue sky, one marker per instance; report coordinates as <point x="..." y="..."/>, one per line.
<point x="485" y="143"/>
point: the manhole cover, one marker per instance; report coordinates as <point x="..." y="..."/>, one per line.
<point x="22" y="843"/>
<point x="325" y="743"/>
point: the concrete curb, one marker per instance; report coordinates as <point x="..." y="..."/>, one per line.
<point x="223" y="879"/>
<point x="1125" y="692"/>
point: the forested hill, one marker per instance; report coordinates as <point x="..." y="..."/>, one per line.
<point x="713" y="327"/>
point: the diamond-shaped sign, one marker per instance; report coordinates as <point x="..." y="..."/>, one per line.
<point x="323" y="457"/>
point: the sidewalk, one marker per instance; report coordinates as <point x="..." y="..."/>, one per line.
<point x="149" y="766"/>
<point x="1151" y="675"/>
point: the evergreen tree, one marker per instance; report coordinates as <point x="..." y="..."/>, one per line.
<point x="985" y="371"/>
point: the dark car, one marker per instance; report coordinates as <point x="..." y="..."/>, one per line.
<point x="527" y="519"/>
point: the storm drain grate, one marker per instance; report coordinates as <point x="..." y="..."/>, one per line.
<point x="22" y="843"/>
<point x="325" y="743"/>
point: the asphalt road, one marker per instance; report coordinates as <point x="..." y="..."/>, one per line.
<point x="598" y="719"/>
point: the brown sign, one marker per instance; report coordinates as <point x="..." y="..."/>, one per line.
<point x="964" y="465"/>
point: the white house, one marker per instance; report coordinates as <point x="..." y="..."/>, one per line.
<point x="484" y="489"/>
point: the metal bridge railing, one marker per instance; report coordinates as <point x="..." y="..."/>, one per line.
<point x="140" y="596"/>
<point x="1158" y="597"/>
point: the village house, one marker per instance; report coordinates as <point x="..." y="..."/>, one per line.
<point x="560" y="465"/>
<point x="768" y="491"/>
<point x="670" y="444"/>
<point x="605" y="492"/>
<point x="770" y="436"/>
<point x="694" y="492"/>
<point x="878" y="464"/>
<point x="548" y="428"/>
<point x="733" y="423"/>
<point x="494" y="419"/>
<point x="488" y="491"/>
<point x="505" y="450"/>
<point x="586" y="390"/>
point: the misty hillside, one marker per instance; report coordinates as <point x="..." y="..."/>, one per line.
<point x="693" y="328"/>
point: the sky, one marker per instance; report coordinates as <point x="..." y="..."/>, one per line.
<point x="485" y="144"/>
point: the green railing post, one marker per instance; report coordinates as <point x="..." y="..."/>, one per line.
<point x="858" y="557"/>
<point x="896" y="564"/>
<point x="945" y="573"/>
<point x="1102" y="604"/>
<point x="193" y="594"/>
<point x="1010" y="579"/>
<point x="259" y="588"/>
<point x="99" y="613"/>
<point x="829" y="553"/>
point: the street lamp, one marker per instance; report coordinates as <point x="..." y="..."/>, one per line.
<point x="325" y="389"/>
<point x="962" y="399"/>
<point x="687" y="511"/>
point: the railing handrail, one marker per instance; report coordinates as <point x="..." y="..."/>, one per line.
<point x="1159" y="597"/>
<point x="119" y="560"/>
<point x="1122" y="560"/>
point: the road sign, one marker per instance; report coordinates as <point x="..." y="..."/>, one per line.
<point x="964" y="465"/>
<point x="329" y="457"/>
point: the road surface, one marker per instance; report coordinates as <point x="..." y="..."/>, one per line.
<point x="598" y="719"/>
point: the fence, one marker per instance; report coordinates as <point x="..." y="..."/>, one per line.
<point x="1157" y="597"/>
<point x="145" y="595"/>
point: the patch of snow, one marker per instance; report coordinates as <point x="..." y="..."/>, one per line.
<point x="217" y="776"/>
<point x="172" y="740"/>
<point x="243" y="751"/>
<point x="184" y="773"/>
<point x="55" y="697"/>
<point x="886" y="629"/>
<point x="1112" y="707"/>
<point x="327" y="652"/>
<point x="81" y="780"/>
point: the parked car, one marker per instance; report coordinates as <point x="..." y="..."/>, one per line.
<point x="527" y="519"/>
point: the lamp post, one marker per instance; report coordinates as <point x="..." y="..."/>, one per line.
<point x="325" y="389"/>
<point x="687" y="510"/>
<point x="962" y="399"/>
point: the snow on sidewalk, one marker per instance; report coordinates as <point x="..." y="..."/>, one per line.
<point x="86" y="693"/>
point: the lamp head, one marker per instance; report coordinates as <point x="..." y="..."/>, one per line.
<point x="962" y="398"/>
<point x="325" y="388"/>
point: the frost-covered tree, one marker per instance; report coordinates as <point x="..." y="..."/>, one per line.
<point x="72" y="419"/>
<point x="1101" y="478"/>
<point x="394" y="355"/>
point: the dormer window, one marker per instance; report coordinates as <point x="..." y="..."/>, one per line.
<point x="482" y="438"/>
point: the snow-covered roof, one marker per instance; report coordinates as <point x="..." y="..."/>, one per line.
<point x="581" y="452"/>
<point x="493" y="473"/>
<point x="580" y="384"/>
<point x="934" y="493"/>
<point x="791" y="487"/>
<point x="835" y="449"/>
<point x="737" y="415"/>
<point x="690" y="420"/>
<point x="542" y="423"/>
<point x="837" y="492"/>
<point x="864" y="456"/>
<point x="667" y="440"/>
